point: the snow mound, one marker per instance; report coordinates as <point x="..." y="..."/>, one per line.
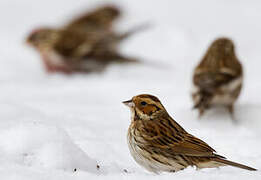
<point x="43" y="146"/>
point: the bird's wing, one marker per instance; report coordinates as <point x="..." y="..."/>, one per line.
<point x="99" y="19"/>
<point x="210" y="81"/>
<point x="168" y="137"/>
<point x="76" y="44"/>
<point x="192" y="146"/>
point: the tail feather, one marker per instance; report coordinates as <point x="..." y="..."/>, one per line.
<point x="133" y="31"/>
<point x="202" y="101"/>
<point x="231" y="163"/>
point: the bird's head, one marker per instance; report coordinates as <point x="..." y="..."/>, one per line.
<point x="42" y="37"/>
<point x="221" y="53"/>
<point x="145" y="106"/>
<point x="222" y="46"/>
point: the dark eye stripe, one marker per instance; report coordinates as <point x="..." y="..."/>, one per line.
<point x="157" y="108"/>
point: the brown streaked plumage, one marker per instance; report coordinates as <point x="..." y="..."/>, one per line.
<point x="218" y="78"/>
<point x="86" y="44"/>
<point x="159" y="143"/>
<point x="101" y="19"/>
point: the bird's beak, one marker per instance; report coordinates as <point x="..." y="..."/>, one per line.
<point x="27" y="42"/>
<point x="129" y="103"/>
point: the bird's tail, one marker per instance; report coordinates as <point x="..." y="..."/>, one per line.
<point x="202" y="100"/>
<point x="231" y="163"/>
<point x="132" y="31"/>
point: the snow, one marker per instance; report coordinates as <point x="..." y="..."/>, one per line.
<point x="53" y="124"/>
<point x="44" y="147"/>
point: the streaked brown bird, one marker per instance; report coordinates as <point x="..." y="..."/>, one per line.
<point x="159" y="143"/>
<point x="218" y="78"/>
<point x="86" y="44"/>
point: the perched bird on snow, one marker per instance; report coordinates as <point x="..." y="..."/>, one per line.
<point x="86" y="44"/>
<point x="159" y="144"/>
<point x="218" y="78"/>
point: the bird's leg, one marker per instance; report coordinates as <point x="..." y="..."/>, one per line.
<point x="231" y="111"/>
<point x="201" y="112"/>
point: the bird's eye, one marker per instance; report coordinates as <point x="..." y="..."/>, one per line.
<point x="143" y="103"/>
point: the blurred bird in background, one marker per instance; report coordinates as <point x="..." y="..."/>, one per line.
<point x="86" y="44"/>
<point x="218" y="78"/>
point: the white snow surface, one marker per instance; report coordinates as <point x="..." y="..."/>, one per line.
<point x="53" y="124"/>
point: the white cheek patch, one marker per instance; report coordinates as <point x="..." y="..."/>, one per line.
<point x="142" y="115"/>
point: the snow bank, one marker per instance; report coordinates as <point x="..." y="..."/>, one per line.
<point x="43" y="146"/>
